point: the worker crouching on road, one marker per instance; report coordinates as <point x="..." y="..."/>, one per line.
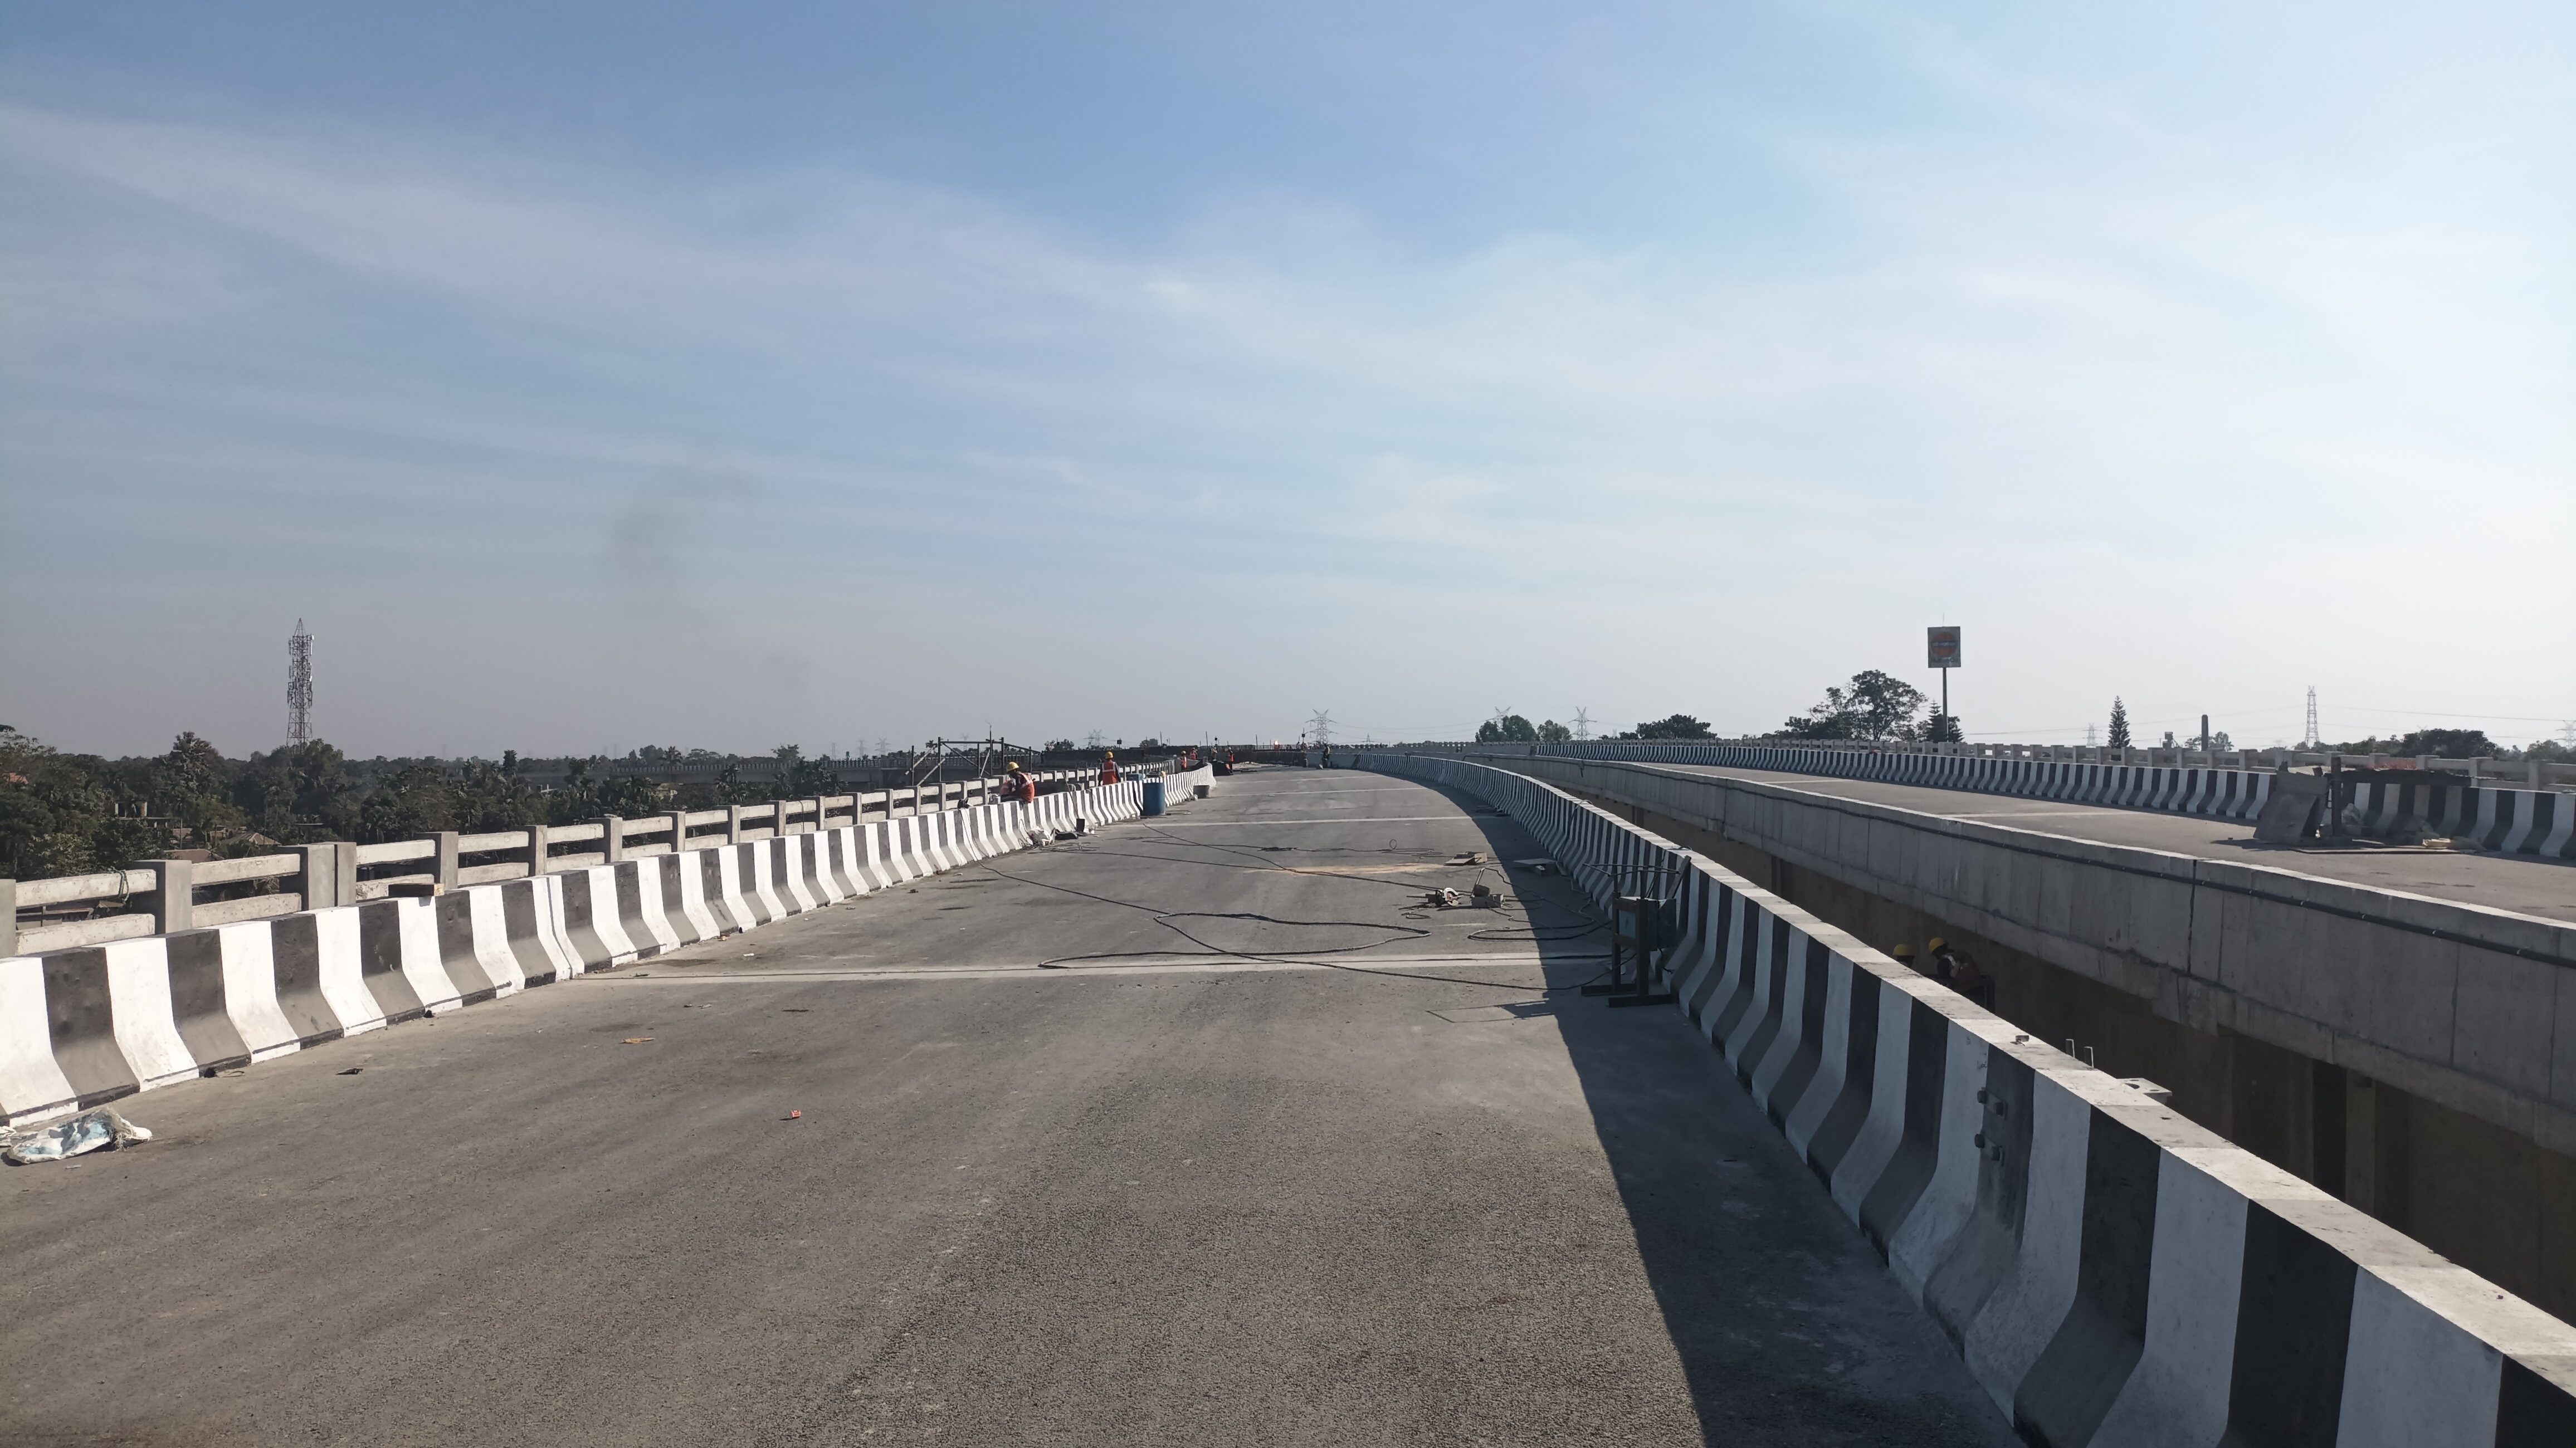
<point x="1109" y="767"/>
<point x="1022" y="786"/>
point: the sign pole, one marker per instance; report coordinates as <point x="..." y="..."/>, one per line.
<point x="1941" y="648"/>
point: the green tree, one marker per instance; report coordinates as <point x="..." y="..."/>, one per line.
<point x="1943" y="729"/>
<point x="1509" y="729"/>
<point x="298" y="793"/>
<point x="414" y="800"/>
<point x="59" y="813"/>
<point x="1552" y="732"/>
<point x="2119" y="723"/>
<point x="194" y="787"/>
<point x="2447" y="744"/>
<point x="1878" y="707"/>
<point x="1671" y="726"/>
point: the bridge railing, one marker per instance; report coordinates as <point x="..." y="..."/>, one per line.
<point x="156" y="897"/>
<point x="2499" y="773"/>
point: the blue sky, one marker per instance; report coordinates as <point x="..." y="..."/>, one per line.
<point x="590" y="376"/>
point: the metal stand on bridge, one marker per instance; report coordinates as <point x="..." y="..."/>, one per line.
<point x="1645" y="918"/>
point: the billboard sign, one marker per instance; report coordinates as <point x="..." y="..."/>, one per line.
<point x="1944" y="646"/>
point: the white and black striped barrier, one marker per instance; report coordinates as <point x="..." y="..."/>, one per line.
<point x="2507" y="821"/>
<point x="81" y="1027"/>
<point x="2112" y="1273"/>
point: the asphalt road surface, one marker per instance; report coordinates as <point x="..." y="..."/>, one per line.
<point x="2527" y="884"/>
<point x="1201" y="1130"/>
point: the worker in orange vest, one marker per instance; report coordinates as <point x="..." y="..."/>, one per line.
<point x="1024" y="788"/>
<point x="1109" y="767"/>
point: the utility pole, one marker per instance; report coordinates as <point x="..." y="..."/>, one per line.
<point x="299" y="687"/>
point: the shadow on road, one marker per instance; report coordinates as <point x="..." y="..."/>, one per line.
<point x="1785" y="1321"/>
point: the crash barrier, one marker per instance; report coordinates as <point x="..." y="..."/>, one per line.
<point x="2508" y="821"/>
<point x="2112" y="1274"/>
<point x="84" y="1026"/>
<point x="159" y="897"/>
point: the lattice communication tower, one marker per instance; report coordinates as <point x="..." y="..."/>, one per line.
<point x="2312" y="740"/>
<point x="299" y="686"/>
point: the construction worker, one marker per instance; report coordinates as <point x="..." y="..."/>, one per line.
<point x="1022" y="785"/>
<point x="1904" y="955"/>
<point x="1109" y="767"/>
<point x="1958" y="970"/>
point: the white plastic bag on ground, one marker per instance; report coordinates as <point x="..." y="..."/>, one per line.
<point x="97" y="1129"/>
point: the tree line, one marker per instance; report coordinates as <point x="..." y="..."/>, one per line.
<point x="1875" y="707"/>
<point x="69" y="814"/>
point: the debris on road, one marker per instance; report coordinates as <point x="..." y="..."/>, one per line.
<point x="1483" y="895"/>
<point x="795" y="1115"/>
<point x="1471" y="857"/>
<point x="352" y="1071"/>
<point x="1539" y="867"/>
<point x="98" y="1129"/>
<point x="635" y="1040"/>
<point x="1443" y="898"/>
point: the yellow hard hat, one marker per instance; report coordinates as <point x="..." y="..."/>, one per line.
<point x="1112" y="753"/>
<point x="1014" y="765"/>
<point x="1901" y="952"/>
<point x="1937" y="943"/>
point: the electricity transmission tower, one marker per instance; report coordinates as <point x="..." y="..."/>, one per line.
<point x="1582" y="723"/>
<point x="1320" y="727"/>
<point x="2092" y="736"/>
<point x="299" y="686"/>
<point x="2312" y="741"/>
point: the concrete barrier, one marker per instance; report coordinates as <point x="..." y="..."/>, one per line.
<point x="473" y="948"/>
<point x="2508" y="821"/>
<point x="684" y="901"/>
<point x="79" y="1027"/>
<point x="2112" y="1273"/>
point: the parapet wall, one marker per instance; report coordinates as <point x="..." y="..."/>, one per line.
<point x="85" y="1026"/>
<point x="2470" y="1007"/>
<point x="2509" y="821"/>
<point x="2112" y="1273"/>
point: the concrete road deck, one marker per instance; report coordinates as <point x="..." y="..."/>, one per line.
<point x="1065" y="1174"/>
<point x="2523" y="883"/>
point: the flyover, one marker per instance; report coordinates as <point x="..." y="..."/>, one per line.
<point x="2397" y="1026"/>
<point x="1201" y="1129"/>
<point x="2525" y="884"/>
